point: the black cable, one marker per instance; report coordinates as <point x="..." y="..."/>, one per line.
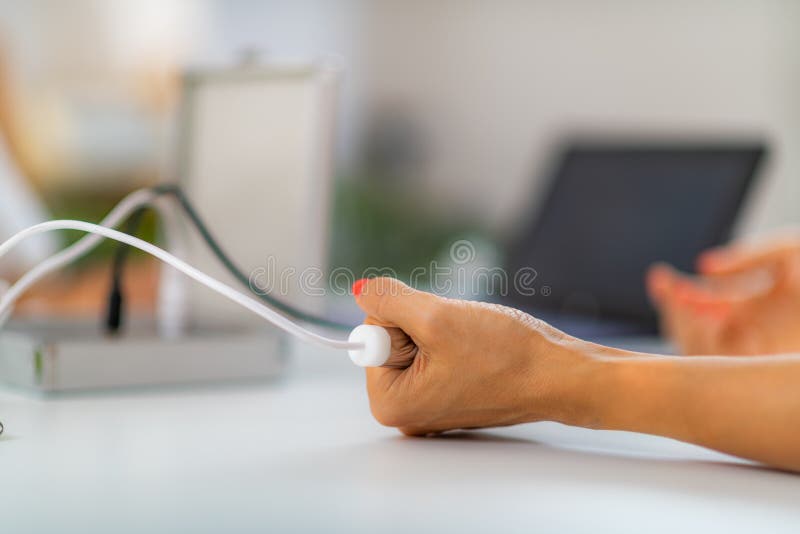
<point x="116" y="298"/>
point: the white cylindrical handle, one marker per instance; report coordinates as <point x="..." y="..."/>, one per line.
<point x="377" y="345"/>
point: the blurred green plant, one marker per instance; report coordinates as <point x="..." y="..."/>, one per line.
<point x="93" y="207"/>
<point x="377" y="224"/>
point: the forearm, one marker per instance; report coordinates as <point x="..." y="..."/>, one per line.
<point x="748" y="407"/>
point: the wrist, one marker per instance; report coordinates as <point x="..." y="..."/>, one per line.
<point x="627" y="391"/>
<point x="593" y="386"/>
<point x="563" y="380"/>
<point x="584" y="389"/>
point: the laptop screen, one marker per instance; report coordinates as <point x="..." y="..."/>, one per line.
<point x="614" y="210"/>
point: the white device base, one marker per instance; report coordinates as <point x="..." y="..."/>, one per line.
<point x="377" y="345"/>
<point x="52" y="363"/>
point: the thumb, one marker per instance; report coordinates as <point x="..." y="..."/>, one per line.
<point x="390" y="302"/>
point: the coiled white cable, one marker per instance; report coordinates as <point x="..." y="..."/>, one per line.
<point x="368" y="345"/>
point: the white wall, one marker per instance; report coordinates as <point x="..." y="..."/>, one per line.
<point x="494" y="83"/>
<point x="297" y="30"/>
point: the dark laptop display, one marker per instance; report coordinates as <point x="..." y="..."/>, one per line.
<point x="611" y="211"/>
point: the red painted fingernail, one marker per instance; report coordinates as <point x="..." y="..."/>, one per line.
<point x="358" y="286"/>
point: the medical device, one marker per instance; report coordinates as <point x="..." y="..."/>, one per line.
<point x="367" y="345"/>
<point x="259" y="136"/>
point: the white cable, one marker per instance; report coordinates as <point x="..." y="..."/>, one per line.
<point x="121" y="211"/>
<point x="223" y="289"/>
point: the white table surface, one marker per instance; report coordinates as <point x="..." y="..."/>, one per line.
<point x="304" y="454"/>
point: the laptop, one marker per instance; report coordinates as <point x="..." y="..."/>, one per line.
<point x="614" y="209"/>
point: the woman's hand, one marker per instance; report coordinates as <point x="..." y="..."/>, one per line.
<point x="459" y="364"/>
<point x="745" y="302"/>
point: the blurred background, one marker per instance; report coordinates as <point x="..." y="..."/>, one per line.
<point x="447" y="112"/>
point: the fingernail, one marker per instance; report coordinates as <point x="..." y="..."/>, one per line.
<point x="358" y="286"/>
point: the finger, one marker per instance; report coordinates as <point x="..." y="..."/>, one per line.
<point x="403" y="349"/>
<point x="659" y="282"/>
<point x="401" y="356"/>
<point x="746" y="256"/>
<point x="390" y="302"/>
<point x="724" y="291"/>
<point x="690" y="314"/>
<point x="709" y="295"/>
<point x="402" y="310"/>
<point x="692" y="326"/>
<point x="666" y="285"/>
<point x="386" y="380"/>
